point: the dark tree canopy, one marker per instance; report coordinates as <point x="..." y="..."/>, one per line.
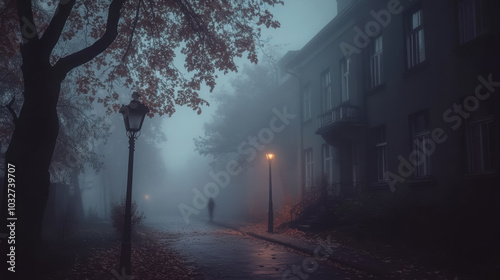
<point x="208" y="34"/>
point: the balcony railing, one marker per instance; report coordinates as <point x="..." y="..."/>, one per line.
<point x="341" y="114"/>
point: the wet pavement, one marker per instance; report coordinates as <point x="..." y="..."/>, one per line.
<point x="222" y="253"/>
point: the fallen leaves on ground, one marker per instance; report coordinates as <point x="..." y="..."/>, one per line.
<point x="151" y="260"/>
<point x="261" y="228"/>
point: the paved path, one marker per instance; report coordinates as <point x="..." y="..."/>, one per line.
<point x="222" y="253"/>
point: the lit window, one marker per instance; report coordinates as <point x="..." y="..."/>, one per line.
<point x="326" y="90"/>
<point x="376" y="52"/>
<point x="415" y="41"/>
<point x="344" y="70"/>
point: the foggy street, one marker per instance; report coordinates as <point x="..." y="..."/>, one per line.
<point x="275" y="139"/>
<point x="222" y="253"/>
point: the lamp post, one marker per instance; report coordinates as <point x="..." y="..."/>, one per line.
<point x="270" y="218"/>
<point x="133" y="116"/>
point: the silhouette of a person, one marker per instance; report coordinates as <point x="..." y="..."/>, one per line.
<point x="211" y="206"/>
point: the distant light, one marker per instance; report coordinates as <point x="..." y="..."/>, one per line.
<point x="270" y="156"/>
<point x="146" y="197"/>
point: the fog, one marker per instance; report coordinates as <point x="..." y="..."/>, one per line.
<point x="169" y="174"/>
<point x="366" y="135"/>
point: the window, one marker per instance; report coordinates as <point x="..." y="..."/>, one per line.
<point x="415" y="42"/>
<point x="420" y="135"/>
<point x="344" y="71"/>
<point x="328" y="163"/>
<point x="306" y="103"/>
<point x="326" y="90"/>
<point x="376" y="52"/>
<point x="308" y="163"/>
<point x="470" y="20"/>
<point x="380" y="152"/>
<point x="480" y="146"/>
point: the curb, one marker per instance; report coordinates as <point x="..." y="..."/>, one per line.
<point x="369" y="269"/>
<point x="286" y="244"/>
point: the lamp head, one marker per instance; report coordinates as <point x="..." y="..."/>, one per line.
<point x="134" y="114"/>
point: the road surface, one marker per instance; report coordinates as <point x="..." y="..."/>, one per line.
<point x="222" y="253"/>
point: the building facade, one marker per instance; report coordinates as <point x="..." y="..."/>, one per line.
<point x="400" y="99"/>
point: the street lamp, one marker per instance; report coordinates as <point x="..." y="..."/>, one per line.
<point x="270" y="158"/>
<point x="133" y="116"/>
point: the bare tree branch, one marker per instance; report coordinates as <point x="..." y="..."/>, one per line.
<point x="56" y="25"/>
<point x="198" y="26"/>
<point x="66" y="64"/>
<point x="26" y="21"/>
<point x="133" y="30"/>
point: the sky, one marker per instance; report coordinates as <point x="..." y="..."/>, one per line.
<point x="300" y="21"/>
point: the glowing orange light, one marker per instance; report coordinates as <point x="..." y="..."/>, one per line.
<point x="146" y="197"/>
<point x="270" y="156"/>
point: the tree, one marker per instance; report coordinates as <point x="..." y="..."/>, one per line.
<point x="259" y="115"/>
<point x="81" y="126"/>
<point x="118" y="215"/>
<point x="129" y="42"/>
<point x="252" y="97"/>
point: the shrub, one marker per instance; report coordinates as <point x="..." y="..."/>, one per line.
<point x="92" y="215"/>
<point x="118" y="215"/>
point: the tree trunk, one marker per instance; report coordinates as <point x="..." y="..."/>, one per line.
<point x="32" y="145"/>
<point x="27" y="161"/>
<point x="77" y="197"/>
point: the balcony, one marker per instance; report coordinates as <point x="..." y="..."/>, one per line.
<point x="338" y="120"/>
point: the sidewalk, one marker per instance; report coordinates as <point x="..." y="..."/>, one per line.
<point x="383" y="268"/>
